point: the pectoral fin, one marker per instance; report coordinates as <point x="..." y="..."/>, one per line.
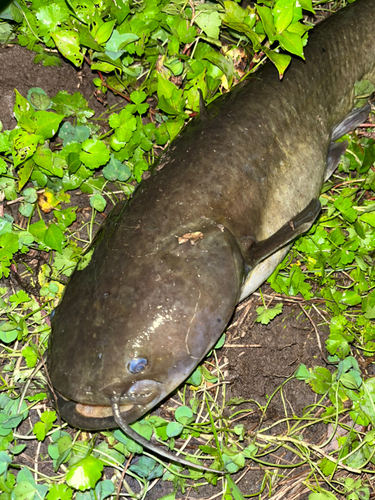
<point x="351" y="121"/>
<point x="337" y="149"/>
<point x="286" y="234"/>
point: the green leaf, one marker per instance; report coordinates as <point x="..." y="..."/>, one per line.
<point x="125" y="124"/>
<point x="210" y="24"/>
<point x="233" y="12"/>
<point x="208" y="375"/>
<point x="67" y="41"/>
<point x="98" y="202"/>
<point x="46" y="123"/>
<point x="6" y="33"/>
<point x="24" y="145"/>
<point x="281" y="61"/>
<point x="103" y="66"/>
<point x="74" y="163"/>
<point x="344" y="205"/>
<point x="148" y="468"/>
<point x="321" y="381"/>
<point x="8" y="332"/>
<point x="265" y="315"/>
<point x="5" y="144"/>
<point x="54" y="237"/>
<point x="307" y="5"/>
<point x="234" y="489"/>
<point x="21" y="106"/>
<point x="59" y="492"/>
<point x="72" y="105"/>
<point x="30" y="354"/>
<point x="105" y="489"/>
<point x="220" y="342"/>
<point x="131" y="445"/>
<point x="240" y="430"/>
<point x="184" y="415"/>
<point x="323" y="494"/>
<point x="266" y="17"/>
<point x="364" y="88"/>
<point x="45" y="425"/>
<point x="43" y="158"/>
<point x="104" y="31"/>
<point x="116" y="171"/>
<point x="24" y="491"/>
<point x="338" y="343"/>
<point x="94" y="153"/>
<point x="369" y="218"/>
<point x="326" y="466"/>
<point x="16" y="450"/>
<point x="143" y="428"/>
<point x="108" y="454"/>
<point x="38" y="98"/>
<point x="30" y="195"/>
<point x="195" y="378"/>
<point x="6" y="224"/>
<point x="350" y="298"/>
<point x="69" y="133"/>
<point x="174" y="429"/>
<point x="38" y="229"/>
<point x="302" y="373"/>
<point x="222" y="62"/>
<point x="174" y="127"/>
<point x="63" y="262"/>
<point x="19" y="297"/>
<point x="65" y="217"/>
<point x="117" y="42"/>
<point x="86" y="39"/>
<point x="291" y="42"/>
<point x="165" y="87"/>
<point x="138" y="96"/>
<point x="85" y="473"/>
<point x="350" y="381"/>
<point x="5" y="460"/>
<point x="175" y="65"/>
<point x="283" y="13"/>
<point x="50" y="17"/>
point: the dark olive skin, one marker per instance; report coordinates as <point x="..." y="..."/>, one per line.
<point x="152" y="301"/>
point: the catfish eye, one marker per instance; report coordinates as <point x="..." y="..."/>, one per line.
<point x="136" y="365"/>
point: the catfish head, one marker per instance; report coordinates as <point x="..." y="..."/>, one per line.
<point x="138" y="315"/>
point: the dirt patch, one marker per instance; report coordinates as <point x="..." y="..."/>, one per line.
<point x="257" y="358"/>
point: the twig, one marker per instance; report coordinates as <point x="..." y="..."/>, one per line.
<point x="123" y="476"/>
<point x="242" y="345"/>
<point x="316" y="333"/>
<point x="22" y="198"/>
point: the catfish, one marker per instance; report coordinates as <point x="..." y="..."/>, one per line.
<point x="218" y="213"/>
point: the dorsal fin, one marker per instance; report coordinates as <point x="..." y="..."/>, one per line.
<point x="203" y="113"/>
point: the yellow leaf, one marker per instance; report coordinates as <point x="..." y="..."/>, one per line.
<point x="47" y="201"/>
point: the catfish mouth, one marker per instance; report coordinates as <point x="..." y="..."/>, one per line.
<point x="141" y="397"/>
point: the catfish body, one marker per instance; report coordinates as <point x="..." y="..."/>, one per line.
<point x="167" y="269"/>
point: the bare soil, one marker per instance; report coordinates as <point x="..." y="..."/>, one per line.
<point x="257" y="358"/>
